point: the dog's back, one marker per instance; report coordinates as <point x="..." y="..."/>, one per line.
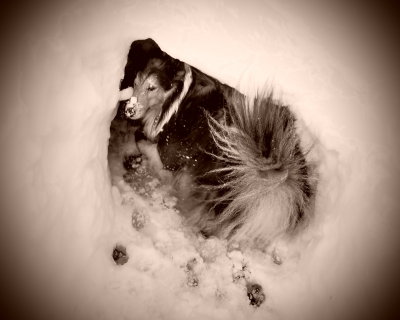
<point x="186" y="141"/>
<point x="239" y="168"/>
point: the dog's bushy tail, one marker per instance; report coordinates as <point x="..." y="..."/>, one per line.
<point x="267" y="186"/>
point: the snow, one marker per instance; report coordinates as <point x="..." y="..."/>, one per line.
<point x="64" y="209"/>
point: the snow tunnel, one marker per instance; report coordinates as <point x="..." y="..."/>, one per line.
<point x="65" y="206"/>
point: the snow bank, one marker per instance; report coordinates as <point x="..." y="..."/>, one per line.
<point x="61" y="218"/>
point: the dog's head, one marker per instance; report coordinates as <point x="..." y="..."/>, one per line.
<point x="153" y="86"/>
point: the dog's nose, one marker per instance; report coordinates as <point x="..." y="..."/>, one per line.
<point x="132" y="103"/>
<point x="130" y="112"/>
<point x="132" y="107"/>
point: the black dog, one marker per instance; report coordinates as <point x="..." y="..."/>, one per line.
<point x="237" y="165"/>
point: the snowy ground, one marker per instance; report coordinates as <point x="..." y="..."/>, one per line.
<point x="65" y="207"/>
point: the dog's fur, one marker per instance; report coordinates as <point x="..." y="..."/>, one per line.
<point x="238" y="167"/>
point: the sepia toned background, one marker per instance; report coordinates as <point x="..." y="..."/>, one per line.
<point x="336" y="64"/>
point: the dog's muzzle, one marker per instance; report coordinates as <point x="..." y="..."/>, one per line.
<point x="133" y="109"/>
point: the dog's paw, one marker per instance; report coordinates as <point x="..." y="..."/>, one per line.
<point x="255" y="293"/>
<point x="132" y="162"/>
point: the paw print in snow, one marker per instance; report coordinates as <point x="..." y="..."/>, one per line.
<point x="119" y="255"/>
<point x="255" y="294"/>
<point x="241" y="274"/>
<point x="192" y="280"/>
<point x="169" y="202"/>
<point x="138" y="219"/>
<point x="279" y="254"/>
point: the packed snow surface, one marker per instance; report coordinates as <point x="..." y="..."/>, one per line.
<point x="66" y="204"/>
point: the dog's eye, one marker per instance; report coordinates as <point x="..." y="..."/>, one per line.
<point x="151" y="88"/>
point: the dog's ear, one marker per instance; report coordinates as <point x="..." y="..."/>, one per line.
<point x="140" y="52"/>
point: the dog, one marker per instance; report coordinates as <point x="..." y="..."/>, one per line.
<point x="236" y="164"/>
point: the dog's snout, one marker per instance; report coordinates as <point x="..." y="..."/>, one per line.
<point x="133" y="108"/>
<point x="130" y="112"/>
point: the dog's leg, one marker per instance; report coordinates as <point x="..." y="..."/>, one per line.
<point x="131" y="157"/>
<point x="149" y="150"/>
<point x="129" y="143"/>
